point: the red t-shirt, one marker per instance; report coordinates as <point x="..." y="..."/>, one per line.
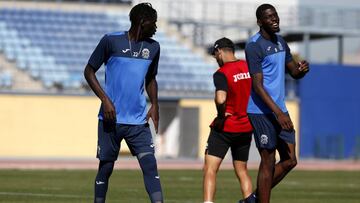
<point x="234" y="78"/>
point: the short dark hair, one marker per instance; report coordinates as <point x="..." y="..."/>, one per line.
<point x="223" y="43"/>
<point x="260" y="10"/>
<point x="141" y="12"/>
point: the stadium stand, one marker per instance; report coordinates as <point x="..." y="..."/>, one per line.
<point x="54" y="46"/>
<point x="5" y="80"/>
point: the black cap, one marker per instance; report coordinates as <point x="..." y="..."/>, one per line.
<point x="223" y="43"/>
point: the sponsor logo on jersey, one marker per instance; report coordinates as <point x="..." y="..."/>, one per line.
<point x="241" y="76"/>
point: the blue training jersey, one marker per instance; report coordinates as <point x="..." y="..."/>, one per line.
<point x="128" y="64"/>
<point x="269" y="58"/>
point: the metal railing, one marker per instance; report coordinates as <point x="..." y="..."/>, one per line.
<point x="209" y="19"/>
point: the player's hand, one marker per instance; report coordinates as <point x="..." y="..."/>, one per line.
<point x="109" y="110"/>
<point x="153" y="113"/>
<point x="219" y="122"/>
<point x="303" y="66"/>
<point x="285" y="122"/>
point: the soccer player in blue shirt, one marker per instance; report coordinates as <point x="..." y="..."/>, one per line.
<point x="269" y="57"/>
<point x="131" y="60"/>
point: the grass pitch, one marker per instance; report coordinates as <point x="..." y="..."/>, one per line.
<point x="179" y="186"/>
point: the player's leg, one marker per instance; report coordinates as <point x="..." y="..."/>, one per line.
<point x="151" y="177"/>
<point x="217" y="146"/>
<point x="242" y="174"/>
<point x="139" y="140"/>
<point x="265" y="138"/>
<point x="108" y="149"/>
<point x="211" y="167"/>
<point x="286" y="149"/>
<point x="240" y="148"/>
<point x="265" y="174"/>
<point x="102" y="180"/>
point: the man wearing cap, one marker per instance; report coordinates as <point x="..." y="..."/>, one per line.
<point x="231" y="128"/>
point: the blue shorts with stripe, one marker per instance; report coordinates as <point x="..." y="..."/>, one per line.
<point x="268" y="132"/>
<point x="137" y="137"/>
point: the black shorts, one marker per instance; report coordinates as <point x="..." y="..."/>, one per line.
<point x="219" y="142"/>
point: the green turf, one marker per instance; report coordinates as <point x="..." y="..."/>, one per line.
<point x="181" y="186"/>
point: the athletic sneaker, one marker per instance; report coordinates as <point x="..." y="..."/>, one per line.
<point x="251" y="199"/>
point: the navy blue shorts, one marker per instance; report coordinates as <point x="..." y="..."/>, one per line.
<point x="137" y="137"/>
<point x="267" y="131"/>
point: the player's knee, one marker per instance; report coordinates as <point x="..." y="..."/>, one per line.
<point x="147" y="162"/>
<point x="244" y="175"/>
<point x="293" y="163"/>
<point x="290" y="163"/>
<point x="209" y="171"/>
<point x="107" y="168"/>
<point x="267" y="167"/>
<point x="267" y="156"/>
<point x="210" y="168"/>
<point x="268" y="162"/>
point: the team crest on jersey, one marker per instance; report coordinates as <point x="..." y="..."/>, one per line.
<point x="145" y="53"/>
<point x="264" y="139"/>
<point x="280" y="46"/>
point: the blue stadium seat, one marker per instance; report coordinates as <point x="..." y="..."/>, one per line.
<point x="6" y="80"/>
<point x="54" y="46"/>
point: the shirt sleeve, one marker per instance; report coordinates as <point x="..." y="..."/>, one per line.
<point x="100" y="55"/>
<point x="254" y="58"/>
<point x="288" y="56"/>
<point x="220" y="81"/>
<point x="153" y="69"/>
